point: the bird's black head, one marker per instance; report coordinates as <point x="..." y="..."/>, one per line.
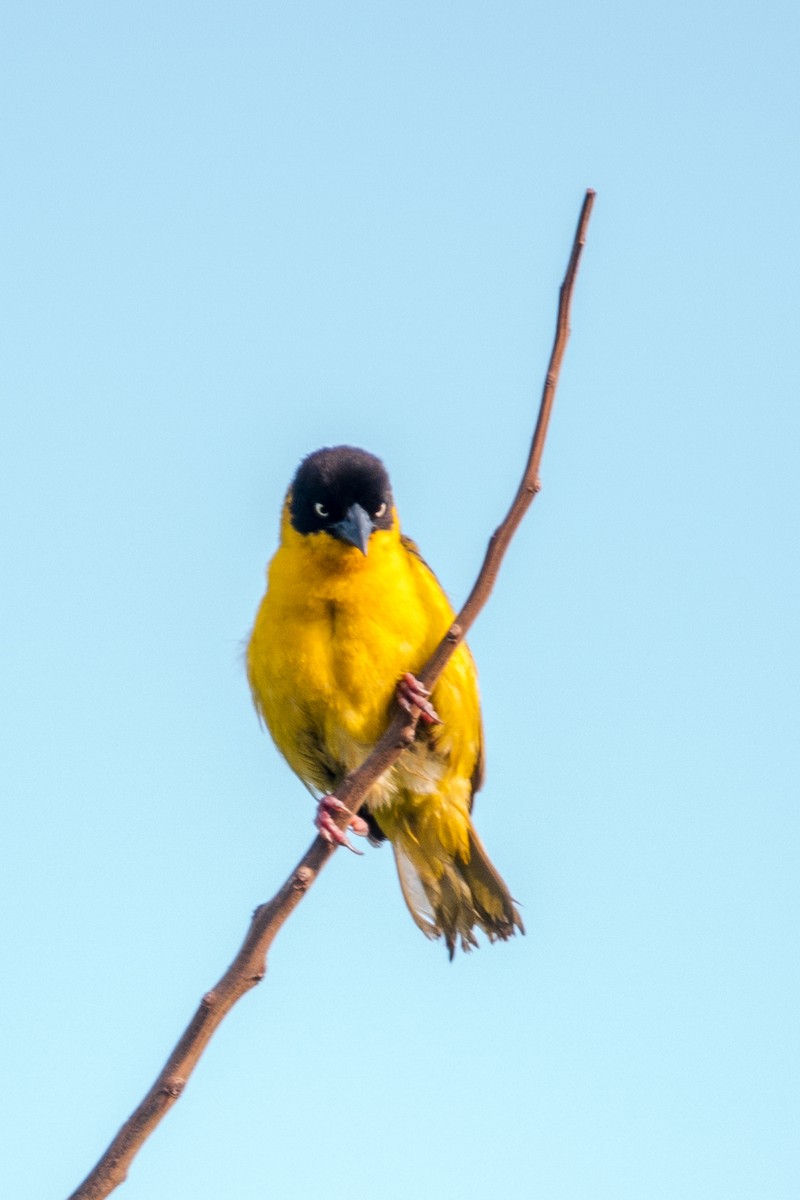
<point x="342" y="491"/>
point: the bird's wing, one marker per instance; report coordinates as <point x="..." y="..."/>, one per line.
<point x="437" y="594"/>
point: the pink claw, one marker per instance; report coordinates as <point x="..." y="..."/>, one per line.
<point x="413" y="696"/>
<point x="330" y="831"/>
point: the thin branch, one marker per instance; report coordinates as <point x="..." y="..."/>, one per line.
<point x="250" y="964"/>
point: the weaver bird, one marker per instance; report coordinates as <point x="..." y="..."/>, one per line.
<point x="351" y="612"/>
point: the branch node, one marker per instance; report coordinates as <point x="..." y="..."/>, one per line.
<point x="405" y="737"/>
<point x="209" y="1000"/>
<point x="454" y="632"/>
<point x="302" y="879"/>
<point x="173" y="1086"/>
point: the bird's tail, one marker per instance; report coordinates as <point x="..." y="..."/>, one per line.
<point x="453" y="896"/>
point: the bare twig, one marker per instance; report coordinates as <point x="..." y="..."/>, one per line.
<point x="250" y="964"/>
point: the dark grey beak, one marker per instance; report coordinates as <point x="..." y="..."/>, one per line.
<point x="354" y="527"/>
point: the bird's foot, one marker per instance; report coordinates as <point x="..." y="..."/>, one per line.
<point x="329" y="808"/>
<point x="412" y="696"/>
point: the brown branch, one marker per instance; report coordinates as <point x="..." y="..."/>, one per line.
<point x="250" y="964"/>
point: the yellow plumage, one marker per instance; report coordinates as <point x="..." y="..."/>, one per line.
<point x="338" y="627"/>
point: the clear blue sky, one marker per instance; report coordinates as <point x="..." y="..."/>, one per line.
<point x="234" y="233"/>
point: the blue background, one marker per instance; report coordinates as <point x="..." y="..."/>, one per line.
<point x="232" y="234"/>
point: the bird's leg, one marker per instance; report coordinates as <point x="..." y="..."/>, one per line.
<point x="411" y="695"/>
<point x="325" y="822"/>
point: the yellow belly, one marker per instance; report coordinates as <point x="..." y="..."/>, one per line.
<point x="334" y="633"/>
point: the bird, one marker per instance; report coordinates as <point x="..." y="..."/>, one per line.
<point x="350" y="616"/>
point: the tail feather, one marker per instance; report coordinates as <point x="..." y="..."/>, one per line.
<point x="456" y="895"/>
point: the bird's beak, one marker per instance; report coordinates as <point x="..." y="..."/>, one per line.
<point x="355" y="527"/>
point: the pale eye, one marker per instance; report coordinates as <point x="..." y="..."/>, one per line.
<point x="379" y="512"/>
<point x="321" y="510"/>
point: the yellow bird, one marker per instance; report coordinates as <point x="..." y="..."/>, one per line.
<point x="351" y="612"/>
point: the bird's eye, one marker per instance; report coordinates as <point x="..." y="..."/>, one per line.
<point x="321" y="510"/>
<point x="380" y="511"/>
